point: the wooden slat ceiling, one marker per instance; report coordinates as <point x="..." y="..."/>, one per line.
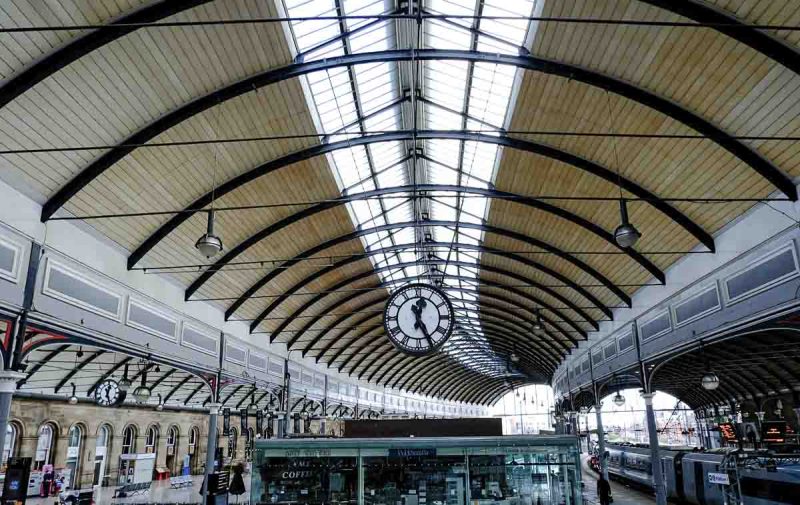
<point x="132" y="80"/>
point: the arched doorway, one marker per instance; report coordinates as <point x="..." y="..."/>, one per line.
<point x="75" y="438"/>
<point x="172" y="451"/>
<point x="102" y="443"/>
<point x="194" y="439"/>
<point x="44" y="446"/>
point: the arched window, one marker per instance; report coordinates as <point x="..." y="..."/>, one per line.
<point x="102" y="443"/>
<point x="172" y="449"/>
<point x="44" y="446"/>
<point x="12" y="439"/>
<point x="129" y="439"/>
<point x="151" y="440"/>
<point x="74" y="442"/>
<point x="194" y="440"/>
<point x="233" y="441"/>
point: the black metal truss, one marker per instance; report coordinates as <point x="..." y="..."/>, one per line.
<point x="80" y="366"/>
<point x="81" y="46"/>
<point x="487" y="268"/>
<point x="373" y="271"/>
<point x="177" y="387"/>
<point x="483" y="293"/>
<point x="760" y="40"/>
<point x="549" y="352"/>
<point x="749" y="156"/>
<point x="109" y="373"/>
<point x="408" y="376"/>
<point x="37" y="366"/>
<point x="521" y="237"/>
<point x="285" y="161"/>
<point x="358" y="336"/>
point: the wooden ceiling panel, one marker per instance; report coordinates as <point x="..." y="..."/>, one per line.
<point x="117" y="89"/>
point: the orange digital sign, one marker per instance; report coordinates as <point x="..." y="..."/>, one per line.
<point x="773" y="431"/>
<point x="728" y="432"/>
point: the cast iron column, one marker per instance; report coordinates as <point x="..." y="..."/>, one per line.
<point x="8" y="384"/>
<point x="655" y="458"/>
<point x="601" y="441"/>
<point x="211" y="447"/>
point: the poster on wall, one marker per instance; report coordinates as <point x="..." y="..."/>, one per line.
<point x="226" y="422"/>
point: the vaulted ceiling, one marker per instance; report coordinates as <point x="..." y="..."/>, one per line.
<point x="356" y="145"/>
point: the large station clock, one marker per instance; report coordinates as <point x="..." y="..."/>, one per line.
<point x="418" y="319"/>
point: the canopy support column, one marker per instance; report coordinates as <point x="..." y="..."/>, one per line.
<point x="655" y="457"/>
<point x="211" y="447"/>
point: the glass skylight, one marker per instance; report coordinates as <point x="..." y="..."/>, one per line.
<point x="453" y="95"/>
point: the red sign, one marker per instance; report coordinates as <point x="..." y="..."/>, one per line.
<point x="728" y="432"/>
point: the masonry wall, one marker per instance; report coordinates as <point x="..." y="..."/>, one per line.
<point x="30" y="414"/>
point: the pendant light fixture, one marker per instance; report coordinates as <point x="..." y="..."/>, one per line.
<point x="72" y="399"/>
<point x="210" y="244"/>
<point x="537" y="324"/>
<point x="160" y="405"/>
<point x="619" y="400"/>
<point x="142" y="393"/>
<point x="125" y="384"/>
<point x="709" y="381"/>
<point x="626" y="235"/>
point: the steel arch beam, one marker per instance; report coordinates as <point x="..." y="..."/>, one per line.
<point x="342" y="333"/>
<point x="335" y="324"/>
<point x="77" y="369"/>
<point x="498" y="339"/>
<point x="572" y="72"/>
<point x="358" y="350"/>
<point x="374" y="271"/>
<point x="177" y="387"/>
<point x="401" y="374"/>
<point x="108" y="374"/>
<point x="340" y="350"/>
<point x="357" y="323"/>
<point x="726" y="23"/>
<point x="391" y="226"/>
<point x="75" y="49"/>
<point x="488" y="268"/>
<point x="508" y="142"/>
<point x="484" y="293"/>
<point x="514" y="257"/>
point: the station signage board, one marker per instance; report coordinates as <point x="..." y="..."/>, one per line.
<point x="719" y="478"/>
<point x="422" y="452"/>
<point x="727" y="431"/>
<point x="773" y="431"/>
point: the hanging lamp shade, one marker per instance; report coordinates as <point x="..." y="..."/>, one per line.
<point x="626" y="235"/>
<point x="710" y="381"/>
<point x="619" y="400"/>
<point x="209" y="244"/>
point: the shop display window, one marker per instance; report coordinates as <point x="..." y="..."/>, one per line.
<point x="434" y="471"/>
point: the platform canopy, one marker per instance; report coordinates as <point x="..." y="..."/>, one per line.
<point x="352" y="146"/>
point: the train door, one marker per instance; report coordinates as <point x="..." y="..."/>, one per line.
<point x="699" y="482"/>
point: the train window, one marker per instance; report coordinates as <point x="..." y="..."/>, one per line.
<point x="770" y="490"/>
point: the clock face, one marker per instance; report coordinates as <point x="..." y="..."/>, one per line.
<point x="107" y="393"/>
<point x="418" y="319"/>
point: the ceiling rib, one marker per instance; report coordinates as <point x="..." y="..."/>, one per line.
<point x="749" y="156"/>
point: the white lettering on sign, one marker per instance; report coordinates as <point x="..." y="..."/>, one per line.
<point x="718" y="478"/>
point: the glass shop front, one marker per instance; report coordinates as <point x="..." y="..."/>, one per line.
<point x="516" y="470"/>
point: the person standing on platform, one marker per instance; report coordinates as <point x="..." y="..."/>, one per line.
<point x="236" y="487"/>
<point x="603" y="491"/>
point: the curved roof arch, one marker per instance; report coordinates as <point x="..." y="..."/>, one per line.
<point x="741" y="151"/>
<point x="487" y="208"/>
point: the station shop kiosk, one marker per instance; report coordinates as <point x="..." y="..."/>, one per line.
<point x="511" y="470"/>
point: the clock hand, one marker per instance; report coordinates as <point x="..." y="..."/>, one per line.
<point x="424" y="329"/>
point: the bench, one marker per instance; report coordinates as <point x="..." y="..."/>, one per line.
<point x="131" y="489"/>
<point x="180" y="481"/>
